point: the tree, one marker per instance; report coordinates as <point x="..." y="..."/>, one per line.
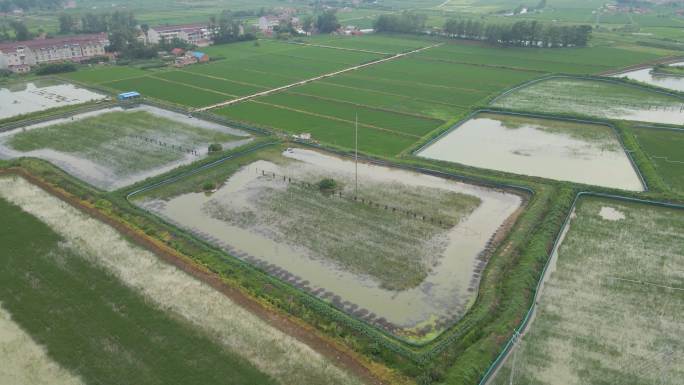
<point x="326" y="22"/>
<point x="67" y="23"/>
<point x="145" y="28"/>
<point x="21" y="32"/>
<point x="308" y="23"/>
<point x="406" y="22"/>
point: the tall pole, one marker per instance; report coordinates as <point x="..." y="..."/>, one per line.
<point x="356" y="155"/>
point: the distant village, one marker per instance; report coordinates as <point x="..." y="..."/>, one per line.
<point x="22" y="56"/>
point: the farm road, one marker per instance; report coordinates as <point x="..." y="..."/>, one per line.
<point x="320" y="77"/>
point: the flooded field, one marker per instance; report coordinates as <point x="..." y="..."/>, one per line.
<point x="646" y="75"/>
<point x="610" y="309"/>
<point x="112" y="148"/>
<point x="405" y="255"/>
<point x="592" y="98"/>
<point x="569" y="151"/>
<point x="25" y="98"/>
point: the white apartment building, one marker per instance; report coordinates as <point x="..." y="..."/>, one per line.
<point x="196" y="34"/>
<point x="22" y="55"/>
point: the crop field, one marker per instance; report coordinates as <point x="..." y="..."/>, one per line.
<point x="557" y="149"/>
<point x="114" y="309"/>
<point x="610" y="309"/>
<point x="240" y="69"/>
<point x="376" y="257"/>
<point x="664" y="148"/>
<point x="594" y="98"/>
<point x="585" y="60"/>
<point x="112" y="148"/>
<point x="398" y="103"/>
<point x="375" y="43"/>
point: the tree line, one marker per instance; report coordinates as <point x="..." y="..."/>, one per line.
<point x="520" y="34"/>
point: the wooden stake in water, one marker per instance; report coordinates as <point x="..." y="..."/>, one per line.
<point x="356" y="155"/>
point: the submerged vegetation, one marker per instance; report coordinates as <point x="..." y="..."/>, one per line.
<point x="609" y="311"/>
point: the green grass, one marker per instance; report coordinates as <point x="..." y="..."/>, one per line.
<point x="104" y="74"/>
<point x="170" y="92"/>
<point x="331" y="132"/>
<point x="93" y="325"/>
<point x="586" y="60"/>
<point x="590" y="98"/>
<point x="609" y="312"/>
<point x="376" y="43"/>
<point x="664" y="148"/>
<point x="107" y="140"/>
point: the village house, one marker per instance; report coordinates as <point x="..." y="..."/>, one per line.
<point x="195" y="34"/>
<point x="191" y="57"/>
<point x="22" y="55"/>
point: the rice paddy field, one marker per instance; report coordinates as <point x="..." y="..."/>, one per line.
<point x="28" y="97"/>
<point x="595" y="98"/>
<point x="664" y="148"/>
<point x="609" y="311"/>
<point x="405" y="253"/>
<point x="112" y="148"/>
<point x="557" y="149"/>
<point x="104" y="309"/>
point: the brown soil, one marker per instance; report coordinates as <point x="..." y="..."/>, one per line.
<point x="334" y="351"/>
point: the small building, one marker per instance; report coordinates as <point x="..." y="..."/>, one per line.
<point x="128" y="96"/>
<point x="201" y="57"/>
<point x="177" y="51"/>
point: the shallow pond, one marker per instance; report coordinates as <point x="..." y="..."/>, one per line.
<point x="575" y="152"/>
<point x="645" y="75"/>
<point x="25" y="98"/>
<point x="101" y="173"/>
<point x="441" y="298"/>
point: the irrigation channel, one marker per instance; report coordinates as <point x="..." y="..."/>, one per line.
<point x="439" y="300"/>
<point x="320" y="77"/>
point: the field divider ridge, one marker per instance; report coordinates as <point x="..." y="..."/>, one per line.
<point x="338" y="48"/>
<point x="324" y="76"/>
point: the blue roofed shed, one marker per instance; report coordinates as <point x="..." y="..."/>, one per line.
<point x="128" y="95"/>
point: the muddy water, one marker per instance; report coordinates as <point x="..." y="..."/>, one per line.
<point x="665" y="81"/>
<point x="100" y="175"/>
<point x="31" y="97"/>
<point x="445" y="294"/>
<point x="486" y="142"/>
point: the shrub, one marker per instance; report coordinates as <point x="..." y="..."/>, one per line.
<point x="215" y="147"/>
<point x="327" y="185"/>
<point x="208" y="186"/>
<point x="56" y="68"/>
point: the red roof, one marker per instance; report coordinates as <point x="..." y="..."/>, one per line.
<point x="56" y="42"/>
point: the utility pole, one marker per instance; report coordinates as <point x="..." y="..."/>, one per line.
<point x="356" y="156"/>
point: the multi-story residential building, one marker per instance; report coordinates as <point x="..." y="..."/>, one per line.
<point x="196" y="34"/>
<point x="22" y="55"/>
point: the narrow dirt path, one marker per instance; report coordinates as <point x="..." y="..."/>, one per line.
<point x="324" y="76"/>
<point x="338" y="48"/>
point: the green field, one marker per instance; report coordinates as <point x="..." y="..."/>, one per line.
<point x="595" y="98"/>
<point x="93" y="325"/>
<point x="609" y="313"/>
<point x="664" y="148"/>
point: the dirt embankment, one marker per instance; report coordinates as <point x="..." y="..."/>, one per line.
<point x="334" y="351"/>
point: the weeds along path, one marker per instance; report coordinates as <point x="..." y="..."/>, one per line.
<point x="306" y="81"/>
<point x="276" y="344"/>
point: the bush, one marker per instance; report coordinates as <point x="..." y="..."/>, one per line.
<point x="208" y="186"/>
<point x="327" y="185"/>
<point x="56" y="68"/>
<point x="215" y="147"/>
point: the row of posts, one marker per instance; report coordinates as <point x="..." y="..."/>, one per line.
<point x="164" y="144"/>
<point x="354" y="198"/>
